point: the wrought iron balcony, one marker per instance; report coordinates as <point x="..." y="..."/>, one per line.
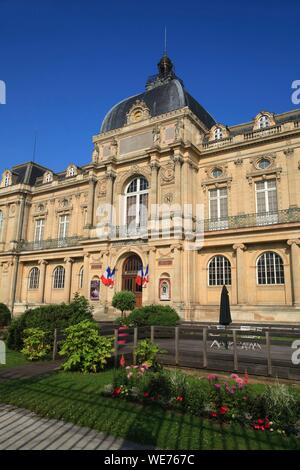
<point x="253" y="220"/>
<point x="49" y="244"/>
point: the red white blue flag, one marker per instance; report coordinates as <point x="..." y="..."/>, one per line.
<point x="142" y="277"/>
<point x="108" y="278"/>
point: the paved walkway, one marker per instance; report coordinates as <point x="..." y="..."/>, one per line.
<point x="23" y="430"/>
<point x="27" y="371"/>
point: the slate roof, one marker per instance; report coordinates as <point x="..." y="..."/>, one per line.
<point x="162" y="99"/>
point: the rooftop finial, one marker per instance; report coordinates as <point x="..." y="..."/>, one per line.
<point x="165" y="49"/>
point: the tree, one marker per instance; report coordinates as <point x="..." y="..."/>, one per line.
<point x="124" y="300"/>
<point x="5" y="315"/>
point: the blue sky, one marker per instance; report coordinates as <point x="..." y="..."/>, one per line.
<point x="65" y="63"/>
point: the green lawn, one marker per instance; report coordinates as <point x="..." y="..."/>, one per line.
<point x="13" y="358"/>
<point x="77" y="398"/>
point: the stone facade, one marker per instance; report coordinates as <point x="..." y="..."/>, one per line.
<point x="246" y="178"/>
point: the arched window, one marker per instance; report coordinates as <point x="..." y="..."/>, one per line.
<point x="219" y="271"/>
<point x="136" y="197"/>
<point x="80" y="284"/>
<point x="59" y="277"/>
<point x="34" y="278"/>
<point x="263" y="122"/>
<point x="1" y="224"/>
<point x="71" y="171"/>
<point x="270" y="269"/>
<point x="218" y="133"/>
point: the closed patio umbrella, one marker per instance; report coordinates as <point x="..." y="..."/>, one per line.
<point x="225" y="317"/>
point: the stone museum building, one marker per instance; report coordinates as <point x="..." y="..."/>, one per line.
<point x="157" y="153"/>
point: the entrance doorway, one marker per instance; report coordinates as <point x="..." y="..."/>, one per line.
<point x="130" y="269"/>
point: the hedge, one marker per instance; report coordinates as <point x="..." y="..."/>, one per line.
<point x="48" y="318"/>
<point x="162" y="315"/>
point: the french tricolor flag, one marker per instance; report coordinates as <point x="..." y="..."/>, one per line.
<point x="139" y="277"/>
<point x="142" y="277"/>
<point x="146" y="276"/>
<point x="111" y="279"/>
<point x="105" y="278"/>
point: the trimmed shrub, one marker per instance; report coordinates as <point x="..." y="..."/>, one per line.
<point x="5" y="315"/>
<point x="123" y="300"/>
<point x="48" y="318"/>
<point x="36" y="344"/>
<point x="84" y="349"/>
<point x="162" y="315"/>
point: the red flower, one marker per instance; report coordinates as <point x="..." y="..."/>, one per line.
<point x="260" y="421"/>
<point x="146" y="394"/>
<point x="122" y="361"/>
<point x="117" y="391"/>
<point x="180" y="398"/>
<point x="223" y="410"/>
<point x="213" y="414"/>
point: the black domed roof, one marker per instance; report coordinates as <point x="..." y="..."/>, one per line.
<point x="164" y="93"/>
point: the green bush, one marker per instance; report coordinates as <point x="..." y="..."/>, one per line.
<point x="36" y="344"/>
<point x="146" y="353"/>
<point x="84" y="349"/>
<point x="5" y="315"/>
<point x="124" y="301"/>
<point x="162" y="315"/>
<point x="48" y="318"/>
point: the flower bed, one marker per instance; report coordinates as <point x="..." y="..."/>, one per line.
<point x="276" y="409"/>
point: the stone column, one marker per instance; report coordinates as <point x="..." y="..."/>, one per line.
<point x="153" y="212"/>
<point x="241" y="287"/>
<point x="110" y="175"/>
<point x="153" y="280"/>
<point x="178" y="222"/>
<point x="91" y="199"/>
<point x="291" y="175"/>
<point x="43" y="267"/>
<point x="295" y="269"/>
<point x="68" y="279"/>
<point x="176" y="286"/>
<point x="86" y="275"/>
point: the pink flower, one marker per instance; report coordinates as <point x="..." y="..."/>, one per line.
<point x="234" y="376"/>
<point x="217" y="386"/>
<point x="129" y="375"/>
<point x="212" y="377"/>
<point x="213" y="414"/>
<point x="146" y="394"/>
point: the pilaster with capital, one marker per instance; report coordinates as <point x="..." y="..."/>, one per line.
<point x="43" y="266"/>
<point x="177" y="281"/>
<point x="153" y="212"/>
<point x="295" y="269"/>
<point x="291" y="165"/>
<point x="241" y="284"/>
<point x="91" y="201"/>
<point x="68" y="278"/>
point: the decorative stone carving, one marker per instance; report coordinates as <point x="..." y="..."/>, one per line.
<point x="168" y="198"/>
<point x="95" y="154"/>
<point x="134" y="170"/>
<point x="102" y="186"/>
<point x="156" y="134"/>
<point x="167" y="174"/>
<point x="179" y="130"/>
<point x="138" y="112"/>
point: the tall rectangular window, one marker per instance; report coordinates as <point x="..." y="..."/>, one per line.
<point x="39" y="230"/>
<point x="218" y="209"/>
<point x="266" y="202"/>
<point x="63" y="227"/>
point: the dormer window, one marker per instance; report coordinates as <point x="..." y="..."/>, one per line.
<point x="6" y="179"/>
<point x="264" y="122"/>
<point x="218" y="133"/>
<point x="48" y="177"/>
<point x="71" y="171"/>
